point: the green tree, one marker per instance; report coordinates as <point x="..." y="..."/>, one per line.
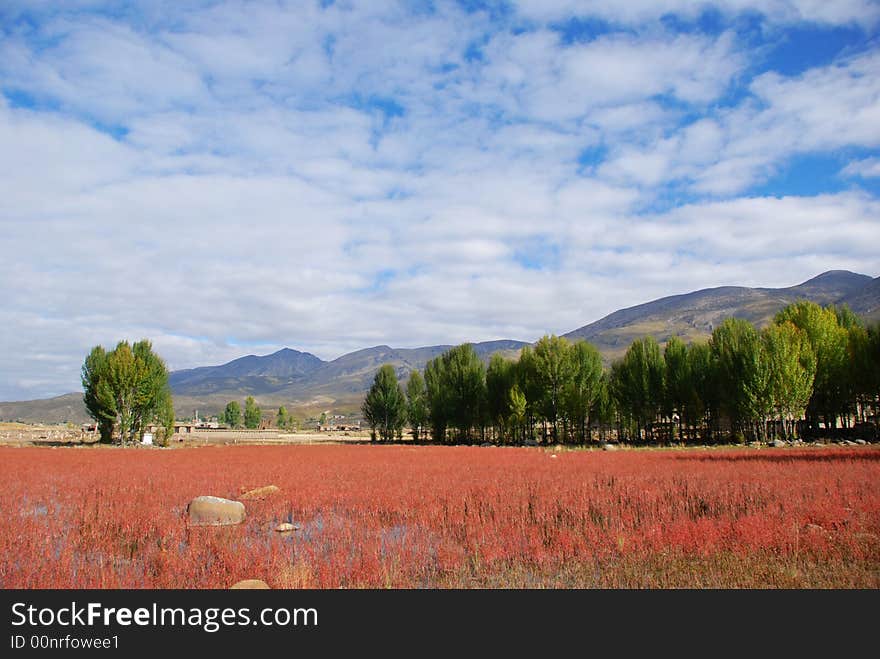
<point x="638" y="382"/>
<point x="437" y="399"/>
<point x="232" y="414"/>
<point x="864" y="367"/>
<point x="252" y="414"/>
<point x="743" y="373"/>
<point x="384" y="407"/>
<point x="679" y="381"/>
<point x="517" y="405"/>
<point x="583" y="386"/>
<point x="416" y="403"/>
<point x="500" y="379"/>
<point x="465" y="379"/>
<point x="553" y="371"/>
<point x="829" y="341"/>
<point x="165" y="419"/>
<point x="125" y="389"/>
<point x="704" y="400"/>
<point x="283" y="419"/>
<point x="791" y="368"/>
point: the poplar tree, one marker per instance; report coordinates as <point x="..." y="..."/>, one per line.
<point x="384" y="408"/>
<point x="125" y="390"/>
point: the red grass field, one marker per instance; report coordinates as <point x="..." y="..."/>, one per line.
<point x="434" y="517"/>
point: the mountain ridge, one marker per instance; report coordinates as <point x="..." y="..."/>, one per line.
<point x="303" y="381"/>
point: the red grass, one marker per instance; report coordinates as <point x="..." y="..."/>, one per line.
<point x="394" y="516"/>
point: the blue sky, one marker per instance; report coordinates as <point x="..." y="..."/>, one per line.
<point x="230" y="177"/>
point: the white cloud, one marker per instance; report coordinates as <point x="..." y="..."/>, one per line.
<point x="867" y="168"/>
<point x="243" y="176"/>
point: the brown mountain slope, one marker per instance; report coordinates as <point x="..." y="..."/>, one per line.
<point x="693" y="315"/>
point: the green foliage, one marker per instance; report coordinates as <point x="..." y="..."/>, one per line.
<point x="252" y="414"/>
<point x="743" y="374"/>
<point x="813" y="361"/>
<point x="232" y="414"/>
<point x="791" y="366"/>
<point x="165" y="418"/>
<point x="416" y="403"/>
<point x="829" y="342"/>
<point x="584" y="386"/>
<point x="500" y="380"/>
<point x="552" y="370"/>
<point x="438" y="400"/>
<point x="283" y="419"/>
<point x="125" y="389"/>
<point x="704" y="396"/>
<point x="456" y="386"/>
<point x="384" y="408"/>
<point x="638" y="381"/>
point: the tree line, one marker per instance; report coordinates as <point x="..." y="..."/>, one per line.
<point x="811" y="371"/>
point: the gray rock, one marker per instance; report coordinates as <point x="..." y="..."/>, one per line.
<point x="215" y="511"/>
<point x="778" y="443"/>
<point x="287" y="527"/>
<point x="861" y="442"/>
<point x="609" y="447"/>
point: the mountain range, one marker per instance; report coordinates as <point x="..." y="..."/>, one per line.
<point x="307" y="385"/>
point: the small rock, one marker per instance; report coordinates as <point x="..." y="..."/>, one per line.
<point x="778" y="443"/>
<point x="214" y="511"/>
<point x="486" y="444"/>
<point x="530" y="442"/>
<point x="609" y="447"/>
<point x="554" y="455"/>
<point x="250" y="584"/>
<point x="286" y="527"/>
<point x="861" y="442"/>
<point x="259" y="493"/>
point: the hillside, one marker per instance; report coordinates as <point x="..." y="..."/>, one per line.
<point x="693" y="315"/>
<point x="866" y="301"/>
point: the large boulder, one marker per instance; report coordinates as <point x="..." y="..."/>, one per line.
<point x="214" y="511"/>
<point x="259" y="493"/>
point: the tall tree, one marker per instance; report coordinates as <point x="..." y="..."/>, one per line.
<point x="553" y="371"/>
<point x="500" y="379"/>
<point x="232" y="414"/>
<point x="679" y="381"/>
<point x="638" y="382"/>
<point x="416" y="403"/>
<point x="743" y="372"/>
<point x="791" y="368"/>
<point x="583" y="386"/>
<point x="125" y="389"/>
<point x="252" y="413"/>
<point x="704" y="400"/>
<point x="384" y="407"/>
<point x="437" y="398"/>
<point x="517" y="416"/>
<point x="829" y="343"/>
